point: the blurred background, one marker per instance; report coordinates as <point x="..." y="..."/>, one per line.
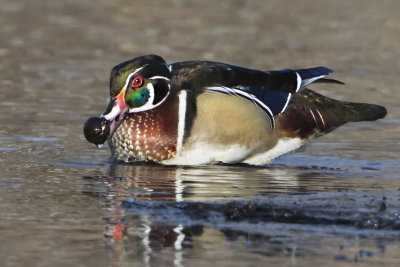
<point x="60" y="201"/>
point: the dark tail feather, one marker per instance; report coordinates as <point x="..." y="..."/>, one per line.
<point x="363" y="111"/>
<point x="325" y="80"/>
<point x="309" y="114"/>
<point x="314" y="72"/>
<point x="311" y="75"/>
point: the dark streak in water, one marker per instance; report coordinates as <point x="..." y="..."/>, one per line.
<point x="78" y="164"/>
<point x="32" y="139"/>
<point x="357" y="211"/>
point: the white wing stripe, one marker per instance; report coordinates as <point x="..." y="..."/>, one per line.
<point x="299" y="82"/>
<point x="287" y="103"/>
<point x="309" y="81"/>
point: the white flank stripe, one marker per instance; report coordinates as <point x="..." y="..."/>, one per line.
<point x="181" y="120"/>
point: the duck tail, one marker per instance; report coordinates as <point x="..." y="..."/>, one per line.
<point x="311" y="114"/>
<point x="363" y="111"/>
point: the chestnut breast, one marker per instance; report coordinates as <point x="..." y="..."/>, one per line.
<point x="149" y="135"/>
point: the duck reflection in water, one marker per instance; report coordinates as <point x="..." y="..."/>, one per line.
<point x="155" y="215"/>
<point x="138" y="233"/>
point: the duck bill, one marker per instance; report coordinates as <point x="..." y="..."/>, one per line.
<point x="98" y="129"/>
<point x="115" y="110"/>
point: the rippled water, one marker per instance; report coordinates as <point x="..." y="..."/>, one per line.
<point x="335" y="201"/>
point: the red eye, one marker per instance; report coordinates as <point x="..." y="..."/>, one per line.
<point x="137" y="81"/>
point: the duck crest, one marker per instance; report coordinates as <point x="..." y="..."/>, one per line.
<point x="148" y="135"/>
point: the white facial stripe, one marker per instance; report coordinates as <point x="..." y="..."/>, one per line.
<point x="130" y="76"/>
<point x="159" y="77"/>
<point x="149" y="104"/>
<point x="139" y="69"/>
<point x="128" y="79"/>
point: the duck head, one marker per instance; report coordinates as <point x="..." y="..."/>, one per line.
<point x="137" y="85"/>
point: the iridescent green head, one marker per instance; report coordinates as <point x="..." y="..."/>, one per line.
<point x="142" y="83"/>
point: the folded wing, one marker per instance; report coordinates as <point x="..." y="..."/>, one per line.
<point x="270" y="90"/>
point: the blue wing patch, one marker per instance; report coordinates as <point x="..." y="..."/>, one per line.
<point x="275" y="100"/>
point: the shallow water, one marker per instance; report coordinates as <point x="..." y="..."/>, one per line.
<point x="334" y="201"/>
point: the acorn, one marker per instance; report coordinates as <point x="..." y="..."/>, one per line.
<point x="96" y="130"/>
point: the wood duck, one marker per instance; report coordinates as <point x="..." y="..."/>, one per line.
<point x="199" y="112"/>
